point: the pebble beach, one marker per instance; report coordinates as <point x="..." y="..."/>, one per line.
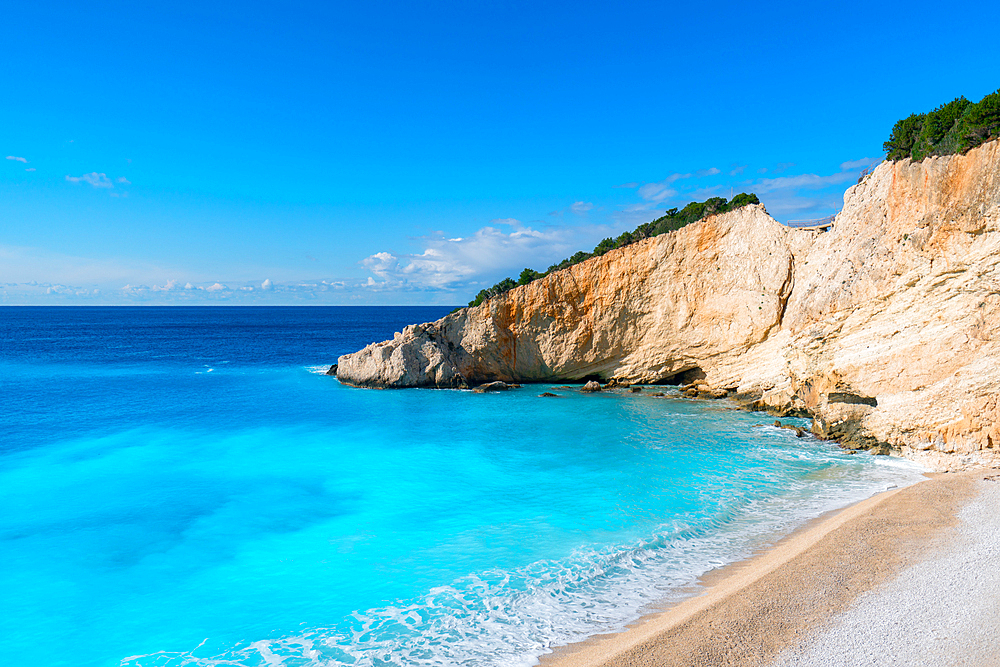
<point x="906" y="577"/>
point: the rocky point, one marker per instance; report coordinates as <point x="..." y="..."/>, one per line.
<point x="884" y="329"/>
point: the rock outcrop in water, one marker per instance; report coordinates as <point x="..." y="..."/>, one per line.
<point x="884" y="329"/>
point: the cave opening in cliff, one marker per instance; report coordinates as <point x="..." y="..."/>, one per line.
<point x="686" y="376"/>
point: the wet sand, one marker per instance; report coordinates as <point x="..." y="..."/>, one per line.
<point x="780" y="601"/>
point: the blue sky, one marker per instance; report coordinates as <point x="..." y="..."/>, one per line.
<point x="407" y="153"/>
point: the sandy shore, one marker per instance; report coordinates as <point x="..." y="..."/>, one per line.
<point x="803" y="602"/>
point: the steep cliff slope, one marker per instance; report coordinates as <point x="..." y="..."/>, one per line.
<point x="646" y="311"/>
<point x="884" y="329"/>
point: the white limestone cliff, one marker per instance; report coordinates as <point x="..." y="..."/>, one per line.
<point x="884" y="329"/>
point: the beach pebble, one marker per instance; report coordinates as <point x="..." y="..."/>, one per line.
<point x="940" y="611"/>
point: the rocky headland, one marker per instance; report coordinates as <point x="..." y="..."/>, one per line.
<point x="883" y="329"/>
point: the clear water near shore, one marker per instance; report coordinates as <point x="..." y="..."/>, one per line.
<point x="180" y="486"/>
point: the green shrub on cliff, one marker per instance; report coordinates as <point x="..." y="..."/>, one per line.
<point x="673" y="219"/>
<point x="604" y="246"/>
<point x="904" y="135"/>
<point x="527" y="276"/>
<point x="981" y="122"/>
<point x="937" y="125"/>
<point x="952" y="128"/>
<point x="504" y="285"/>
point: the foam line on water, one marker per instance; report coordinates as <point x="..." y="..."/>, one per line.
<point x="510" y="618"/>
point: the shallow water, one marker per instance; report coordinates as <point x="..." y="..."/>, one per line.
<point x="181" y="486"/>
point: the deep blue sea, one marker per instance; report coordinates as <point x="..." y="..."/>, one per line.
<point x="183" y="486"/>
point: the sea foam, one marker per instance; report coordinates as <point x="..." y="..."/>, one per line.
<point x="162" y="515"/>
<point x="509" y="618"/>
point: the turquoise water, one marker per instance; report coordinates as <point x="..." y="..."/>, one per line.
<point x="183" y="486"/>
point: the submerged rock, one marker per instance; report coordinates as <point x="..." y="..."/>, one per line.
<point x="799" y="432"/>
<point x="492" y="386"/>
<point x="545" y="394"/>
<point x="885" y="329"/>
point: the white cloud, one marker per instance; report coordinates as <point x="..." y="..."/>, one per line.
<point x="447" y="264"/>
<point x="656" y="192"/>
<point x="73" y="279"/>
<point x="510" y="222"/>
<point x="626" y="185"/>
<point x="809" y="195"/>
<point x="806" y="196"/>
<point x="123" y="180"/>
<point x="30" y="169"/>
<point x="793" y="206"/>
<point x="23" y="265"/>
<point x="95" y="179"/>
<point x="663" y="190"/>
<point x="628" y="217"/>
<point x="701" y="194"/>
<point x="581" y="207"/>
<point x="383" y="263"/>
<point x="17" y="159"/>
<point x="660" y="190"/>
<point x="858" y="164"/>
<point x="808" y="181"/>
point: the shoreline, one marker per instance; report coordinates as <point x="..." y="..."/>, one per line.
<point x="932" y="460"/>
<point x="753" y="610"/>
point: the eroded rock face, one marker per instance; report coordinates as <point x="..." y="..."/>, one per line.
<point x="646" y="312"/>
<point x="884" y="329"/>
